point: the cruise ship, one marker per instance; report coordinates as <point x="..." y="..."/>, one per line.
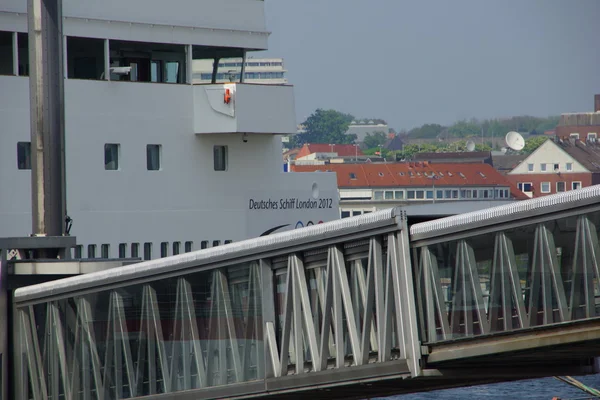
<point x="155" y="164"/>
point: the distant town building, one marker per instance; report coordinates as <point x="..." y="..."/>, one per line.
<point x="368" y="187"/>
<point x="257" y="70"/>
<point x="583" y="126"/>
<point x="362" y="128"/>
<point x="326" y="152"/>
<point x="504" y="163"/>
<point x="558" y="166"/>
<point x="394" y="143"/>
<point x="455" y="157"/>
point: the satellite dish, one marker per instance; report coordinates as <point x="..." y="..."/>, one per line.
<point x="470" y="145"/>
<point x="515" y="141"/>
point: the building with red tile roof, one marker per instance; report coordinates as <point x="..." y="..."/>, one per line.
<point x="369" y="187"/>
<point x="323" y="150"/>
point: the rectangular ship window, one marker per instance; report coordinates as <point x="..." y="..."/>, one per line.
<point x="220" y="158"/>
<point x="147" y="251"/>
<point x="24" y="155"/>
<point x="164" y="249"/>
<point x="91" y="251"/>
<point x="216" y="243"/>
<point x="176" y="248"/>
<point x="122" y="250"/>
<point x="78" y="251"/>
<point x="204" y="244"/>
<point x="135" y="250"/>
<point x="111" y="156"/>
<point x="188" y="246"/>
<point x="153" y="153"/>
<point x="105" y="250"/>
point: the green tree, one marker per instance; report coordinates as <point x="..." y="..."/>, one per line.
<point x="534" y="143"/>
<point x="374" y="140"/>
<point x="427" y="131"/>
<point x="326" y="126"/>
<point x="465" y="129"/>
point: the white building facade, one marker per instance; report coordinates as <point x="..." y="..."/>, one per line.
<point x="256" y="70"/>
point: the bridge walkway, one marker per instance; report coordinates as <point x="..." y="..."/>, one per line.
<point x="352" y="308"/>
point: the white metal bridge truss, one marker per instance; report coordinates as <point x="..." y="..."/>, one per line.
<point x="337" y="302"/>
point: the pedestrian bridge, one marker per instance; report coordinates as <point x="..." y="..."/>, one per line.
<point x="348" y="309"/>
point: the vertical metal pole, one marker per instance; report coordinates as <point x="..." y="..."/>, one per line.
<point x="15" y="51"/>
<point x="243" y="70"/>
<point x="189" y="64"/>
<point x="46" y="85"/>
<point x="106" y="60"/>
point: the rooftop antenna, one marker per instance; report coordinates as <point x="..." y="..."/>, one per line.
<point x="470" y="145"/>
<point x="515" y="141"/>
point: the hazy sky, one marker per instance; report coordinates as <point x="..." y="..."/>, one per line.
<point x="421" y="61"/>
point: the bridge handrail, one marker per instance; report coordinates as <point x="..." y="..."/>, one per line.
<point x="506" y="213"/>
<point x="210" y="258"/>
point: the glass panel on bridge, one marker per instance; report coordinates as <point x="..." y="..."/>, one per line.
<point x="523" y="276"/>
<point x="193" y="331"/>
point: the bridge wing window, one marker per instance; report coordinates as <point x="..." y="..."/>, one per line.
<point x="111" y="156"/>
<point x="6" y="53"/>
<point x="220" y="158"/>
<point x="24" y="155"/>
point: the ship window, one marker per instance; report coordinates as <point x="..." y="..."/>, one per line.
<point x="228" y="241"/>
<point x="153" y="153"/>
<point x="176" y="248"/>
<point x="111" y="156"/>
<point x="147" y="251"/>
<point x="24" y="155"/>
<point x="188" y="246"/>
<point x="91" y="251"/>
<point x="105" y="250"/>
<point x="220" y="158"/>
<point x="85" y="58"/>
<point x="164" y="249"/>
<point x="122" y="250"/>
<point x="135" y="250"/>
<point x="204" y="244"/>
<point x="23" y="44"/>
<point x="216" y="243"/>
<point x="6" y="53"/>
<point x="78" y="251"/>
<point x="172" y="71"/>
<point x="345" y="214"/>
<point x="155" y="71"/>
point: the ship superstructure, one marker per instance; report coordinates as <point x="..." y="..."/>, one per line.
<point x="157" y="165"/>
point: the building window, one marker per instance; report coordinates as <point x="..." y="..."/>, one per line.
<point x="389" y="195"/>
<point x="188" y="246"/>
<point x="592" y="136"/>
<point x="399" y="194"/>
<point x="122" y="250"/>
<point x="429" y="194"/>
<point x="575" y="185"/>
<point x="176" y="248"/>
<point x="352" y="175"/>
<point x="420" y="194"/>
<point x="356" y="213"/>
<point x="91" y="251"/>
<point x="525" y="187"/>
<point x="560" y="187"/>
<point x="164" y="249"/>
<point x="556" y="167"/>
<point x="545" y="187"/>
<point x="147" y="251"/>
<point x="111" y="156"/>
<point x="439" y="194"/>
<point x="105" y="251"/>
<point x="574" y="136"/>
<point x="153" y="157"/>
<point x="569" y="166"/>
<point x="448" y="194"/>
<point x="530" y="167"/>
<point x="345" y="214"/>
<point x="543" y="167"/>
<point x="135" y="250"/>
<point x="24" y="155"/>
<point x="410" y="194"/>
<point x="220" y="158"/>
<point x="378" y="195"/>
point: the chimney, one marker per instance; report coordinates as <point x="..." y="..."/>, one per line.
<point x="597" y="103"/>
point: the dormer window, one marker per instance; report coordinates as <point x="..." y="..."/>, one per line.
<point x="352" y="176"/>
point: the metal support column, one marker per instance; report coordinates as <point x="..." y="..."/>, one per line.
<point x="4" y="327"/>
<point x="46" y="85"/>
